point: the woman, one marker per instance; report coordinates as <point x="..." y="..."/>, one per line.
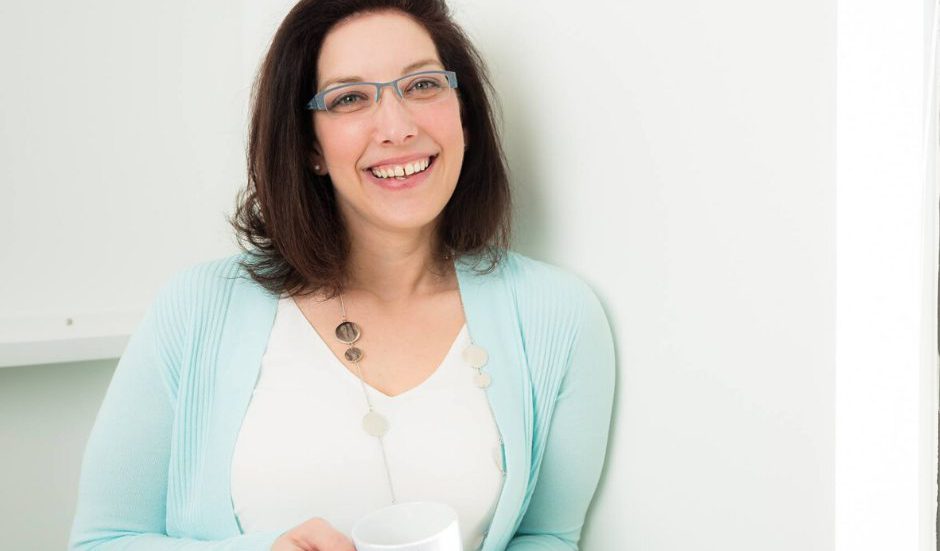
<point x="269" y="399"/>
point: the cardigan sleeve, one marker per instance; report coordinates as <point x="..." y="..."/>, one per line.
<point x="577" y="440"/>
<point x="123" y="484"/>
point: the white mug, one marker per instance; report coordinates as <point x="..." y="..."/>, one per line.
<point x="412" y="526"/>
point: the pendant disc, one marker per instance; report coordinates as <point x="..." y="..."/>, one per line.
<point x="475" y="355"/>
<point x="348" y="332"/>
<point x="353" y="354"/>
<point x="483" y="380"/>
<point x="374" y="424"/>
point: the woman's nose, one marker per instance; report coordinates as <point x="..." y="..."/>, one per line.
<point x="393" y="118"/>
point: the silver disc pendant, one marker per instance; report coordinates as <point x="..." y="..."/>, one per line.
<point x="374" y="424"/>
<point x="482" y="380"/>
<point x="348" y="332"/>
<point x="475" y="355"/>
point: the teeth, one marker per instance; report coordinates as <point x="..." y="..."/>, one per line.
<point x="401" y="171"/>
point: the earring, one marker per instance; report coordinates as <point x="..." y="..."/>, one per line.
<point x="316" y="168"/>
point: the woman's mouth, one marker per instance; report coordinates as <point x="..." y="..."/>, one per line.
<point x="404" y="176"/>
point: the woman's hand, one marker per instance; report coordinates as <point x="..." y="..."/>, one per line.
<point x="315" y="534"/>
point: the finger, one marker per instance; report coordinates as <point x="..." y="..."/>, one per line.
<point x="324" y="537"/>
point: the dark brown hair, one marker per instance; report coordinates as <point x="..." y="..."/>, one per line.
<point x="287" y="214"/>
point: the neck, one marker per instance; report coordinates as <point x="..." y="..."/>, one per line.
<point x="395" y="269"/>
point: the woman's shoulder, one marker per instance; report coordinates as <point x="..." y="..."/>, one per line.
<point x="214" y="271"/>
<point x="546" y="291"/>
<point x="544" y="280"/>
<point x="206" y="279"/>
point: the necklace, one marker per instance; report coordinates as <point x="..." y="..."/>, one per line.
<point x="373" y="422"/>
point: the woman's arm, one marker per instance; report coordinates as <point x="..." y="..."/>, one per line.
<point x="577" y="440"/>
<point x="122" y="489"/>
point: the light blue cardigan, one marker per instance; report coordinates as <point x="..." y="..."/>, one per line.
<point x="156" y="469"/>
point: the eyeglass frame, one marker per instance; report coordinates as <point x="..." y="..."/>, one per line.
<point x="317" y="103"/>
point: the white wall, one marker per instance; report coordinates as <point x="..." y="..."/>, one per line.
<point x="681" y="157"/>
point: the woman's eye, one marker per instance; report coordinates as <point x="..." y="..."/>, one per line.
<point x="428" y="84"/>
<point x="347" y="99"/>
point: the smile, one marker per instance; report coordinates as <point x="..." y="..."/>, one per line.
<point x="404" y="176"/>
<point x="401" y="171"/>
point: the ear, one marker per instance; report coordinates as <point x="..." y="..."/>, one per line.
<point x="315" y="158"/>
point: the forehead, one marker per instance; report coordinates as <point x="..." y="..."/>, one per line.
<point x="374" y="46"/>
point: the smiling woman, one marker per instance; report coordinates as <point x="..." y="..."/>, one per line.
<point x="250" y="412"/>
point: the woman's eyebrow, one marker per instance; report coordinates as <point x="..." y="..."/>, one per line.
<point x="406" y="70"/>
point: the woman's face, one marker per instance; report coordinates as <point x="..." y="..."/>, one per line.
<point x="380" y="47"/>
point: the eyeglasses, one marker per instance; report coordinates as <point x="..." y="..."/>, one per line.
<point x="415" y="88"/>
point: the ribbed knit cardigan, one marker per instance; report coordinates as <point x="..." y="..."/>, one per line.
<point x="156" y="468"/>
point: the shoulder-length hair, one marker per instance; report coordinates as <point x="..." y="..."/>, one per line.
<point x="286" y="218"/>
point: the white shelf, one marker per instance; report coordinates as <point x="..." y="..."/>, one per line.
<point x="55" y="339"/>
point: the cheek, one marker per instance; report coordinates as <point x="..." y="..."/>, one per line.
<point x="443" y="123"/>
<point x="342" y="143"/>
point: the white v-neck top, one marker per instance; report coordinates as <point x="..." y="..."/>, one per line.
<point x="301" y="451"/>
